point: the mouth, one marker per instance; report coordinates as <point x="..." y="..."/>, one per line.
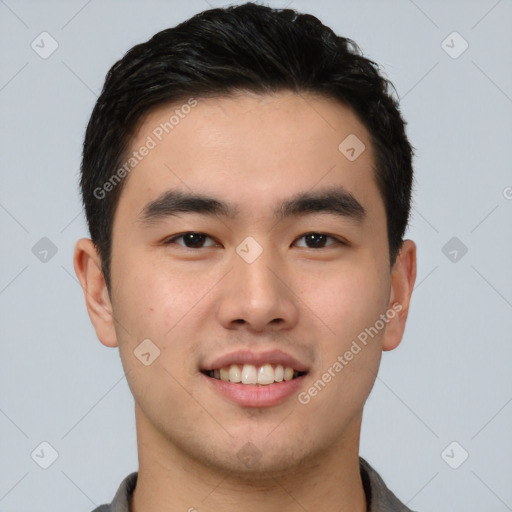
<point x="250" y="374"/>
<point x="252" y="379"/>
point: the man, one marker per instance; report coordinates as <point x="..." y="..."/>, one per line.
<point x="247" y="178"/>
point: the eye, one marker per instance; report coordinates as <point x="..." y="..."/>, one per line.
<point x="317" y="240"/>
<point x="192" y="240"/>
<point x="195" y="240"/>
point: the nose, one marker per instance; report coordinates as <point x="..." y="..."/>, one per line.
<point x="258" y="295"/>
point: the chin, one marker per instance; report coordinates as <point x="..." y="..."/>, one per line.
<point x="260" y="457"/>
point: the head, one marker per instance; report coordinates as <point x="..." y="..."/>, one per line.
<point x="271" y="123"/>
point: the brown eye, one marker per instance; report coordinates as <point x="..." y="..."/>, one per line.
<point x="191" y="240"/>
<point x="318" y="240"/>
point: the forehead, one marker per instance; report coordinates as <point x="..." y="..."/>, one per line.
<point x="252" y="150"/>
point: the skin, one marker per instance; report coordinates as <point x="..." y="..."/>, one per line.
<point x="254" y="151"/>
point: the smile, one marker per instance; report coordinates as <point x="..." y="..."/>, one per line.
<point x="250" y="374"/>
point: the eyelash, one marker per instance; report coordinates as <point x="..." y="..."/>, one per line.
<point x="172" y="240"/>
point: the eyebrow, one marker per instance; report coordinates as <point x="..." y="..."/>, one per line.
<point x="333" y="200"/>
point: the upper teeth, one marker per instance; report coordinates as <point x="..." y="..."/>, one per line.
<point x="250" y="374"/>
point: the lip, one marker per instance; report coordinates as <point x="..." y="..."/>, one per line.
<point x="254" y="395"/>
<point x="242" y="357"/>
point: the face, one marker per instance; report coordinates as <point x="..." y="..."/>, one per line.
<point x="278" y="272"/>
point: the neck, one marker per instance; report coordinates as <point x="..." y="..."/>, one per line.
<point x="170" y="480"/>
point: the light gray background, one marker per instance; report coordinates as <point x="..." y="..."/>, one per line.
<point x="450" y="380"/>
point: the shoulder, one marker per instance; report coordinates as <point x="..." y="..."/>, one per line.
<point x="121" y="500"/>
<point x="379" y="497"/>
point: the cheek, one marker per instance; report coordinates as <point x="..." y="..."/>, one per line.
<point x="150" y="300"/>
<point x="347" y="300"/>
<point x="157" y="304"/>
<point x="349" y="358"/>
<point x="350" y="304"/>
<point x="152" y="305"/>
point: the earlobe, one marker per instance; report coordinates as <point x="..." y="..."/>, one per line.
<point x="403" y="277"/>
<point x="87" y="263"/>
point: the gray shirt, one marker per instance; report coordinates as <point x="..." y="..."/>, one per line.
<point x="378" y="496"/>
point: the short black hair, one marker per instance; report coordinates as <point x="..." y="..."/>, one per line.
<point x="241" y="48"/>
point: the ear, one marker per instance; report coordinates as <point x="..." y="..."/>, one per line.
<point x="403" y="276"/>
<point x="87" y="263"/>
